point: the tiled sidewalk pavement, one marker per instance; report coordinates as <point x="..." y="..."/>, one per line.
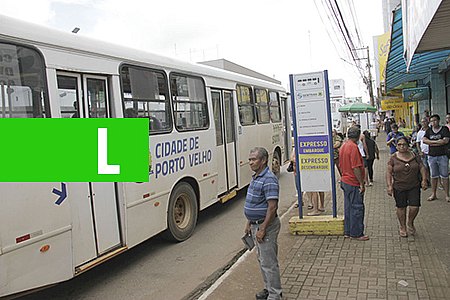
<point x="338" y="268"/>
<point x="316" y="267"/>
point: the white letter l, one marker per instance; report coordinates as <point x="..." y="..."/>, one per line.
<point x="103" y="167"/>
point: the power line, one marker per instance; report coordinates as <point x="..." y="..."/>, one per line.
<point x="345" y="33"/>
<point x="338" y="18"/>
<point x="355" y="20"/>
<point x="327" y="9"/>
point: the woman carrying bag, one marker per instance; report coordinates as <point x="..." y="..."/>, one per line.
<point x="405" y="174"/>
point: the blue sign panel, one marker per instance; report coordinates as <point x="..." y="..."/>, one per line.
<point x="416" y="94"/>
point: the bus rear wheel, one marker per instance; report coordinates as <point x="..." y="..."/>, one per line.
<point x="182" y="213"/>
<point x="276" y="164"/>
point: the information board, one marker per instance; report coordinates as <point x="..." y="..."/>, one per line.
<point x="313" y="132"/>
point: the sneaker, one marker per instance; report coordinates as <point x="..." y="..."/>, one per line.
<point x="263" y="294"/>
<point x="370" y="184"/>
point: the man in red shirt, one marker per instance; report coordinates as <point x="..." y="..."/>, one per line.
<point x="352" y="183"/>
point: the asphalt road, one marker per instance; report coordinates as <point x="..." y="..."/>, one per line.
<point x="157" y="269"/>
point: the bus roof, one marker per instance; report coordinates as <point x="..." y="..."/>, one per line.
<point x="21" y="31"/>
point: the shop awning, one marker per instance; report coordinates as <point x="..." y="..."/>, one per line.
<point x="427" y="26"/>
<point x="421" y="64"/>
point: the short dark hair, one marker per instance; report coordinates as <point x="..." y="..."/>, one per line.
<point x="394" y="125"/>
<point x="435" y="116"/>
<point x="403" y="138"/>
<point x="366" y="133"/>
<point x="353" y="132"/>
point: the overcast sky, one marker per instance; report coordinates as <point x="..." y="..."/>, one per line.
<point x="273" y="37"/>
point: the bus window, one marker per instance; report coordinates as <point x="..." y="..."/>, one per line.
<point x="22" y="83"/>
<point x="217" y="117"/>
<point x="146" y="95"/>
<point x="229" y="117"/>
<point x="96" y="95"/>
<point x="189" y="102"/>
<point x="245" y="105"/>
<point x="262" y="106"/>
<point x="274" y="104"/>
<point x="68" y="96"/>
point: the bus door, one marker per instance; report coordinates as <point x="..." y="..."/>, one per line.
<point x="225" y="139"/>
<point x="102" y="194"/>
<point x="95" y="213"/>
<point x="286" y="128"/>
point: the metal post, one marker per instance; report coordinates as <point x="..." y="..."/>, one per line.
<point x="370" y="78"/>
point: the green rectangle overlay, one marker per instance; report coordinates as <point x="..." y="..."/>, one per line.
<point x="47" y="150"/>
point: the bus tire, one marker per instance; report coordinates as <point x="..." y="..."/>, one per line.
<point x="182" y="213"/>
<point x="276" y="163"/>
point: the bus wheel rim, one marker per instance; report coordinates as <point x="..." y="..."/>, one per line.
<point x="181" y="212"/>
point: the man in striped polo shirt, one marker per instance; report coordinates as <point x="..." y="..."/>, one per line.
<point x="260" y="208"/>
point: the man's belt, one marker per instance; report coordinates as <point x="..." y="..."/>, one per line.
<point x="260" y="221"/>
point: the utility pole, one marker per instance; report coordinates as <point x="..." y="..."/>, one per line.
<point x="369" y="66"/>
<point x="368" y="81"/>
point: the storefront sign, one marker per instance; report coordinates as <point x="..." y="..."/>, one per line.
<point x="416" y="94"/>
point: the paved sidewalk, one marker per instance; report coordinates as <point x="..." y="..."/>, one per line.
<point x="385" y="267"/>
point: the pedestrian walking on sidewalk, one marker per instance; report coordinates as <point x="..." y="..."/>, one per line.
<point x="404" y="176"/>
<point x="391" y="139"/>
<point x="352" y="183"/>
<point x="372" y="154"/>
<point x="261" y="204"/>
<point x="437" y="138"/>
<point x="422" y="148"/>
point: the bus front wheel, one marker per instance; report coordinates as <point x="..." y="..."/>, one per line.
<point x="182" y="213"/>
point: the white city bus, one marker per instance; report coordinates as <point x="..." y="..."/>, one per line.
<point x="203" y="122"/>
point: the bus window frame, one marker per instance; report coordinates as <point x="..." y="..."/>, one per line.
<point x="169" y="114"/>
<point x="252" y="103"/>
<point x="172" y="99"/>
<point x="279" y="106"/>
<point x="258" y="105"/>
<point x="46" y="94"/>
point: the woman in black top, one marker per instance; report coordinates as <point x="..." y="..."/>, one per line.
<point x="372" y="148"/>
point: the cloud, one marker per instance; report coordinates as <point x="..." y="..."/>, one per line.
<point x="268" y="36"/>
<point x="28" y="10"/>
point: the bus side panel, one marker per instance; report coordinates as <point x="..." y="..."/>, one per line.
<point x="268" y="136"/>
<point x="146" y="211"/>
<point x="174" y="157"/>
<point x="82" y="223"/>
<point x="29" y="267"/>
<point x="248" y="138"/>
<point x="35" y="237"/>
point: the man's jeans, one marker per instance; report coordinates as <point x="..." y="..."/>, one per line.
<point x="267" y="258"/>
<point x="353" y="210"/>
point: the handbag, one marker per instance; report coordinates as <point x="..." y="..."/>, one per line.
<point x="290" y="168"/>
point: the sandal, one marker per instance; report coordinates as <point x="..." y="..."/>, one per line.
<point x="310" y="206"/>
<point x="411" y="230"/>
<point x="361" y="238"/>
<point x="403" y="233"/>
<point x="321" y="209"/>
<point x="431" y="198"/>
